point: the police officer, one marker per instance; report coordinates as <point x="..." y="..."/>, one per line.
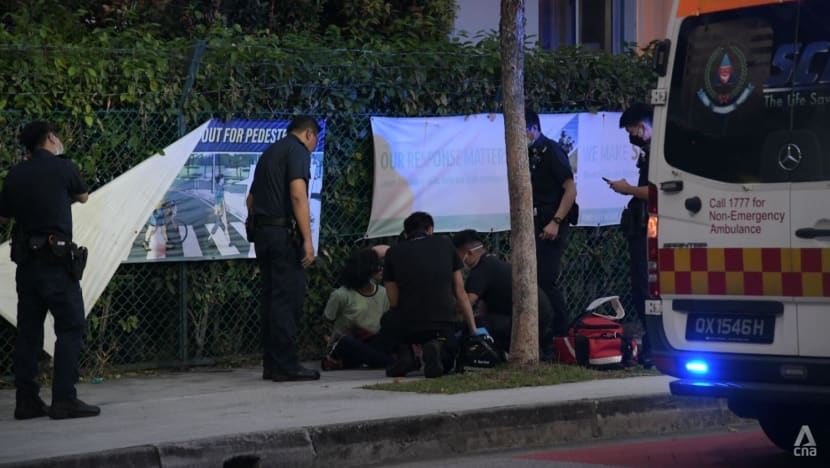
<point x="278" y="206"/>
<point x="554" y="194"/>
<point x="37" y="194"/>
<point x="636" y="120"/>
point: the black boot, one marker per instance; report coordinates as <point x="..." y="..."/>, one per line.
<point x="32" y="407"/>
<point x="76" y="408"/>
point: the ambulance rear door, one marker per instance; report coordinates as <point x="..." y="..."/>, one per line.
<point x="724" y="206"/>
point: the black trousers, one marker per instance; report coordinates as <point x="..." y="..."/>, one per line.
<point x="549" y="267"/>
<point x="355" y="352"/>
<point x="397" y="334"/>
<point x="43" y="287"/>
<point x="637" y="245"/>
<point x="282" y="297"/>
<point x="500" y="326"/>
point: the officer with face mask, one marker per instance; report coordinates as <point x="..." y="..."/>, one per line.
<point x="554" y="195"/>
<point x="636" y="120"/>
<point x="37" y="194"/>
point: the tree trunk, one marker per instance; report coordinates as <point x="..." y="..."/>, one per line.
<point x="524" y="348"/>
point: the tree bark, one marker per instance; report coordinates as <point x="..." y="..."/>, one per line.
<point x="524" y="347"/>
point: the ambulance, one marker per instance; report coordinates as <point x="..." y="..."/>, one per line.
<point x="739" y="212"/>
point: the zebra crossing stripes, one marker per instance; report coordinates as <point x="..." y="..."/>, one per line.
<point x="221" y="240"/>
<point x="190" y="246"/>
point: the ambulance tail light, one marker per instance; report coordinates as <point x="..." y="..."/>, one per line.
<point x="651" y="239"/>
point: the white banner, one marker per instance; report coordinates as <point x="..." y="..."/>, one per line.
<point x="455" y="168"/>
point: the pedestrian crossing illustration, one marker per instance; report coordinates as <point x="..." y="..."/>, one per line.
<point x="206" y="241"/>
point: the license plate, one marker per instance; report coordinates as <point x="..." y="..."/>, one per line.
<point x="740" y="328"/>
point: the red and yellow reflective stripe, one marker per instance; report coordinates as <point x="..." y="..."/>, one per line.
<point x="699" y="7"/>
<point x="745" y="272"/>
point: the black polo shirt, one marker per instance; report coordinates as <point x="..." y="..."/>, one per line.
<point x="492" y="281"/>
<point x="548" y="171"/>
<point x="38" y="193"/>
<point x="422" y="268"/>
<point x="285" y="160"/>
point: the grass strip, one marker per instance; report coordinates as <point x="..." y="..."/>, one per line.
<point x="505" y="376"/>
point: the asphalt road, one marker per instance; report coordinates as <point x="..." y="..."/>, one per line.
<point x="739" y="447"/>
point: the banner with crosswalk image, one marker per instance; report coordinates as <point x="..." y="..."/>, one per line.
<point x="201" y="216"/>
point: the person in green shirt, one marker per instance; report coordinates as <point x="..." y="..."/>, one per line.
<point x="355" y="310"/>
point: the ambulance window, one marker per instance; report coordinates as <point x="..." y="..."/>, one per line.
<point x="811" y="80"/>
<point x="719" y="114"/>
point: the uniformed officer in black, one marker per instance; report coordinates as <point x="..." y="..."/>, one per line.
<point x="636" y="120"/>
<point x="37" y="194"/>
<point x="554" y="193"/>
<point x="278" y="205"/>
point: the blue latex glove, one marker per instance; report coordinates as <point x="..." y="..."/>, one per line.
<point x="481" y="331"/>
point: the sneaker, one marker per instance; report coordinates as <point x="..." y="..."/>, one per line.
<point x="406" y="363"/>
<point x="33" y="407"/>
<point x="146" y="245"/>
<point x="72" y="409"/>
<point x="433" y="366"/>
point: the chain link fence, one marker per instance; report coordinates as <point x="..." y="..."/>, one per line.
<point x="178" y="314"/>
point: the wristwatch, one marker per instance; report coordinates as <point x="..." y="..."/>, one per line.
<point x="557" y="220"/>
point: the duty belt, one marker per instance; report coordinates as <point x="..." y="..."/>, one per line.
<point x="260" y="220"/>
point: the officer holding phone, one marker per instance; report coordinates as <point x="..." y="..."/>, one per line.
<point x="637" y="121"/>
<point x="37" y="194"/>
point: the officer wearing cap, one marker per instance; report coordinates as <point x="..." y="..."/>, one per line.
<point x="37" y="194"/>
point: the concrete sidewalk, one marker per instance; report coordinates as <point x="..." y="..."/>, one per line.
<point x="205" y="417"/>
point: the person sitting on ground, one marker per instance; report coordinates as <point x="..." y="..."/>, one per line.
<point x="355" y="308"/>
<point x="490" y="285"/>
<point x="422" y="275"/>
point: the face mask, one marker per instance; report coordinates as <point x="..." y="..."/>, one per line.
<point x="635" y="140"/>
<point x="60" y="149"/>
<point x="469" y="256"/>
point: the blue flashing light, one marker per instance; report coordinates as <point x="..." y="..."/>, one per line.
<point x="697" y="367"/>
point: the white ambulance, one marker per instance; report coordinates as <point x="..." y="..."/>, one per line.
<point x="739" y="212"/>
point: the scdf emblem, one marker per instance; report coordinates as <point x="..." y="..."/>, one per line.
<point x="725" y="85"/>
